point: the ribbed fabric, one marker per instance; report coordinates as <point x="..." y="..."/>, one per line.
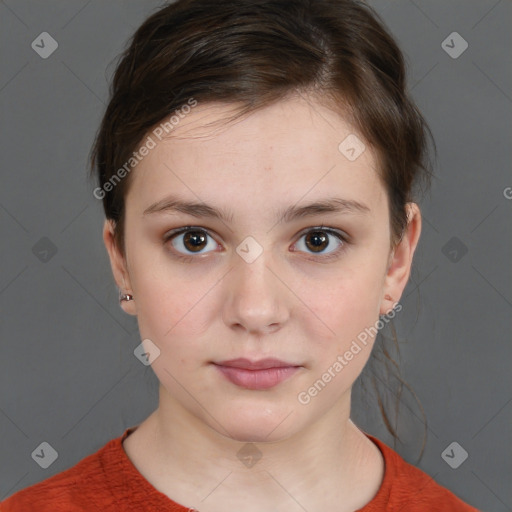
<point x="107" y="481"/>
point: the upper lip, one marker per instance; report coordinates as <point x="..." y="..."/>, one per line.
<point x="261" y="364"/>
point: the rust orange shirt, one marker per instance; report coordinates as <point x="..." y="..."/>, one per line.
<point x="107" y="481"/>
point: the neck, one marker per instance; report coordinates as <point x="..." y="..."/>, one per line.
<point x="328" y="461"/>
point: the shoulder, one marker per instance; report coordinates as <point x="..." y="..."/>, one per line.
<point x="409" y="488"/>
<point x="79" y="488"/>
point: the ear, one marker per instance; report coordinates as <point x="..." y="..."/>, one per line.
<point x="400" y="260"/>
<point x="118" y="265"/>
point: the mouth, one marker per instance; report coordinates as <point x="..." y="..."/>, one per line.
<point x="256" y="375"/>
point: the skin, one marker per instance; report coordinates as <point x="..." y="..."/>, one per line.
<point x="291" y="303"/>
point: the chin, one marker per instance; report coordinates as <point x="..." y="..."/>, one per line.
<point x="251" y="427"/>
<point x="254" y="435"/>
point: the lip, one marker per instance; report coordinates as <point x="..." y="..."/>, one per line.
<point x="256" y="375"/>
<point x="261" y="364"/>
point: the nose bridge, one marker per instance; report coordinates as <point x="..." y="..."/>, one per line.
<point x="256" y="299"/>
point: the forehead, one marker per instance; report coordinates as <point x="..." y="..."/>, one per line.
<point x="291" y="147"/>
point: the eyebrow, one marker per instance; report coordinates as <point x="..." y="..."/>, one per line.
<point x="200" y="210"/>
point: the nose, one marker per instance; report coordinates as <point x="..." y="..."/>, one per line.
<point x="257" y="297"/>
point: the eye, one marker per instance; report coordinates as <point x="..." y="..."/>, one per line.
<point x="318" y="239"/>
<point x="190" y="240"/>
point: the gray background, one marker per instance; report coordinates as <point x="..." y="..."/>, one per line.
<point x="68" y="375"/>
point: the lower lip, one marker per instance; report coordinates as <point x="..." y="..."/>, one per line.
<point x="257" y="379"/>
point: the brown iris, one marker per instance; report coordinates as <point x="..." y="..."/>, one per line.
<point x="197" y="240"/>
<point x="316" y="239"/>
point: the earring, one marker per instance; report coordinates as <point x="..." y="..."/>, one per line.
<point x="125" y="297"/>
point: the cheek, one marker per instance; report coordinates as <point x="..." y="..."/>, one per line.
<point x="174" y="308"/>
<point x="338" y="359"/>
<point x="172" y="311"/>
<point x="349" y="300"/>
<point x="348" y="306"/>
<point x="351" y="320"/>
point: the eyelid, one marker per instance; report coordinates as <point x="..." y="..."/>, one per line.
<point x="178" y="231"/>
<point x="343" y="234"/>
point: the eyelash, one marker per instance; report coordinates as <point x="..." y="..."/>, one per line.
<point x="331" y="256"/>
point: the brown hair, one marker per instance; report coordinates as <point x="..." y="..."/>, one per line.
<point x="255" y="53"/>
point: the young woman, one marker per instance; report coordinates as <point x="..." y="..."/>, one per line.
<point x="257" y="163"/>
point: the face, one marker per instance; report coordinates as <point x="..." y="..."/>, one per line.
<point x="265" y="277"/>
